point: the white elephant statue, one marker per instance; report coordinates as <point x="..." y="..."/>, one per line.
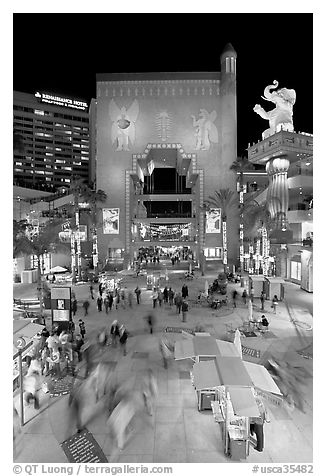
<point x="281" y="117"/>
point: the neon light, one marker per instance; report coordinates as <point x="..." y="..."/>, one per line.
<point x="61" y="101"/>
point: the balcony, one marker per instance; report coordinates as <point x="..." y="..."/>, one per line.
<point x="283" y="142"/>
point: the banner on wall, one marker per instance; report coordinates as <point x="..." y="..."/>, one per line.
<point x="111" y="221"/>
<point x="213" y="220"/>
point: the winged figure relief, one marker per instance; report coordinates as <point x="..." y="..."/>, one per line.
<point x="123" y="124"/>
<point x="205" y="129"/>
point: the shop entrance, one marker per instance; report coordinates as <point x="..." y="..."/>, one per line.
<point x="162" y="254"/>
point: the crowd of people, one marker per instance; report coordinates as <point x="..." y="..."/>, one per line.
<point x="57" y="353"/>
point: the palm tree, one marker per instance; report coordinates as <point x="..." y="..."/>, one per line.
<point x="225" y="199"/>
<point x="240" y="165"/>
<point x="79" y="189"/>
<point x="46" y="240"/>
<point x="93" y="197"/>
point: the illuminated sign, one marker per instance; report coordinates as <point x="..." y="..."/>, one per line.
<point x="213" y="220"/>
<point x="60" y="101"/>
<point x="111" y="221"/>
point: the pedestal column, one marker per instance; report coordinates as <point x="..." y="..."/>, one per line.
<point x="277" y="193"/>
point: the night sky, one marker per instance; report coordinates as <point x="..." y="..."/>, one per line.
<point x="62" y="53"/>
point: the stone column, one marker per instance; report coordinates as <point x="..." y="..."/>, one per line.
<point x="278" y="194"/>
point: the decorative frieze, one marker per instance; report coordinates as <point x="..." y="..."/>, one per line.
<point x="158" y="88"/>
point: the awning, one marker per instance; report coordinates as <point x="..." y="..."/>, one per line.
<point x="243" y="402"/>
<point x="257" y="277"/>
<point x="226" y="349"/>
<point x="184" y="349"/>
<point x="233" y="372"/>
<point x="206" y="375"/>
<point x="261" y="378"/>
<point x="205" y="345"/>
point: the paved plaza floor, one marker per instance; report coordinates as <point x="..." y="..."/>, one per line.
<point x="177" y="432"/>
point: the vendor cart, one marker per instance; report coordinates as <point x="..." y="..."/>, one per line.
<point x="274" y="286"/>
<point x="256" y="285"/>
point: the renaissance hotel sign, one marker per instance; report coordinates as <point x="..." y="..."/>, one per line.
<point x="62" y="101"/>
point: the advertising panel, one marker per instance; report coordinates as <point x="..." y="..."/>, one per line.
<point x="213" y="220"/>
<point x="60" y="303"/>
<point x="111" y="221"/>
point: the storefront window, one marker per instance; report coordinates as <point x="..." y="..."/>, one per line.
<point x="213" y="253"/>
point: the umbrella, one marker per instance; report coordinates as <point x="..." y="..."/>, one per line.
<point x="58" y="269"/>
<point x="237" y="342"/>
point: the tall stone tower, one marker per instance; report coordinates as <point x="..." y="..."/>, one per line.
<point x="228" y="97"/>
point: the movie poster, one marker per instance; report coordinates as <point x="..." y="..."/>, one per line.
<point x="213" y="220"/>
<point x="111" y="221"/>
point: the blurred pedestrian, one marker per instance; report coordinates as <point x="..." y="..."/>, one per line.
<point x="178" y="302"/>
<point x="244" y="297"/>
<point x="106" y="304"/>
<point x="150" y="390"/>
<point x="171" y="296"/>
<point x="52" y="342"/>
<point x="150" y="319"/>
<point x="166" y="349"/>
<point x="32" y="384"/>
<point x="91" y="289"/>
<point x="110" y="299"/>
<point x="166" y="294"/>
<point x="123" y="298"/>
<point x="184" y="291"/>
<point x="74" y="307"/>
<point x="44" y="360"/>
<point x="86" y="306"/>
<point x="130" y="298"/>
<point x="184" y="308"/>
<point x="100" y="289"/>
<point x="154" y="297"/>
<point x="138" y="292"/>
<point x="160" y="297"/>
<point x="114" y="331"/>
<point x="123" y="339"/>
<point x="77" y="345"/>
<point x="274" y="303"/>
<point x="99" y="302"/>
<point x="234" y="297"/>
<point x="262" y="300"/>
<point x="115" y="301"/>
<point x="82" y="328"/>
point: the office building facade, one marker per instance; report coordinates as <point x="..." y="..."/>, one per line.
<point x="55" y="134"/>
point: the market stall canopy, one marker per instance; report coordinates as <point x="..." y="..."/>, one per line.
<point x="206" y="375"/>
<point x="243" y="402"/>
<point x="233" y="372"/>
<point x="58" y="269"/>
<point x="255" y="277"/>
<point x="261" y="379"/>
<point x="226" y="349"/>
<point x="275" y="280"/>
<point x="204" y="345"/>
<point x="184" y="349"/>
